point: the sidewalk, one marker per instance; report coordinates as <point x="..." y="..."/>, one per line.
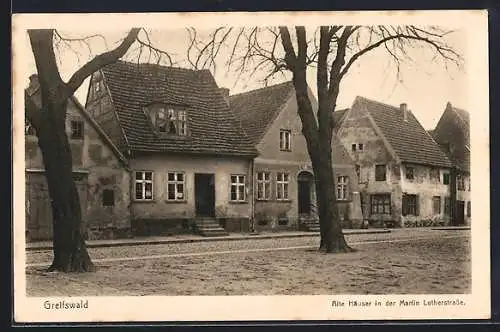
<point x="191" y="238"/>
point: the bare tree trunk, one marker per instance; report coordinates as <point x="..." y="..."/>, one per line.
<point x="70" y="252"/>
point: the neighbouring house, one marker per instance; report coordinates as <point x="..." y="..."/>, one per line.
<point x="100" y="173"/>
<point x="452" y="133"/>
<point x="190" y="160"/>
<point x="404" y="177"/>
<point x="284" y="189"/>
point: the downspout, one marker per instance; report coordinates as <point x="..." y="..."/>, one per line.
<point x="252" y="206"/>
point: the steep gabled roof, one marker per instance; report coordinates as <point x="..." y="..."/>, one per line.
<point x="409" y="140"/>
<point x="32" y="98"/>
<point x="452" y="132"/>
<point x="212" y="128"/>
<point x="257" y="109"/>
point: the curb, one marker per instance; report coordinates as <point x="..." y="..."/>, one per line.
<point x="203" y="239"/>
<point x="457" y="228"/>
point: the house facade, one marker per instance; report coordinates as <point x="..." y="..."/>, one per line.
<point x="452" y="133"/>
<point x="190" y="161"/>
<point x="284" y="189"/>
<point x="99" y="169"/>
<point x="404" y="177"/>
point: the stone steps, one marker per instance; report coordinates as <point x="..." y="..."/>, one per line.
<point x="209" y="227"/>
<point x="310" y="224"/>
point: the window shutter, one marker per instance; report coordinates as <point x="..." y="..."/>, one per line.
<point x="417" y="205"/>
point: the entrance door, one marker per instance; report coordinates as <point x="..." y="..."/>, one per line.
<point x="459" y="215"/>
<point x="304" y="183"/>
<point x="204" y="190"/>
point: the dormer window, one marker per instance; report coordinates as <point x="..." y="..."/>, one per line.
<point x="169" y="121"/>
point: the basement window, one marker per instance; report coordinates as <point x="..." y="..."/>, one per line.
<point x="108" y="197"/>
<point x="76" y="129"/>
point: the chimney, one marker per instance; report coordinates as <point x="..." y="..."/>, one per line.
<point x="225" y="94"/>
<point x="404" y="109"/>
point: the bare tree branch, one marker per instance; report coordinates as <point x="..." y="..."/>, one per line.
<point x="99" y="61"/>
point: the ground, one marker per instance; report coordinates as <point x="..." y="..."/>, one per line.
<point x="403" y="262"/>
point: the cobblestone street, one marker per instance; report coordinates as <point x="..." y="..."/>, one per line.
<point x="403" y="261"/>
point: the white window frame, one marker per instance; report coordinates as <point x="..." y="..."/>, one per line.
<point x="176" y="182"/>
<point x="238" y="181"/>
<point x="143" y="181"/>
<point x="282" y="183"/>
<point x="284" y="134"/>
<point x="343" y="188"/>
<point x="263" y="186"/>
<point x="171" y="115"/>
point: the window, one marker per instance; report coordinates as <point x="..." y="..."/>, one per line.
<point x="358" y="172"/>
<point x="175" y="186"/>
<point x="436" y="204"/>
<point x="381" y="204"/>
<point x="143" y="185"/>
<point x="97" y="88"/>
<point x="171" y="121"/>
<point x="76" y="129"/>
<point x="285" y="143"/>
<point x="446" y="178"/>
<point x="410" y="205"/>
<point x="360" y="146"/>
<point x="447" y="206"/>
<point x="342" y="188"/>
<point x="237" y="188"/>
<point x="460" y="182"/>
<point x="282" y="186"/>
<point x="263" y="185"/>
<point x="434" y="174"/>
<point x="108" y="197"/>
<point x="409" y="172"/>
<point x="380" y="171"/>
<point x="29" y="130"/>
<point x="468" y="209"/>
<point x="353" y="147"/>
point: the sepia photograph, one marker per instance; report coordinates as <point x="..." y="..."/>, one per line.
<point x="260" y="168"/>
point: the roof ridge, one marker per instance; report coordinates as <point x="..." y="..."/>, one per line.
<point x="149" y="64"/>
<point x="261" y="89"/>
<point x="379" y="102"/>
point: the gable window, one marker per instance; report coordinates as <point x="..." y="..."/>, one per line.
<point x="143" y="185"/>
<point x="263" y="185"/>
<point x="446" y="178"/>
<point x="108" y="197"/>
<point x="447" y="206"/>
<point x="360" y="147"/>
<point x="342" y="188"/>
<point x="97" y="87"/>
<point x="282" y="186"/>
<point x="76" y="129"/>
<point x="409" y="172"/>
<point x="468" y="209"/>
<point x="380" y="172"/>
<point x="175" y="186"/>
<point x="460" y="182"/>
<point x="353" y="147"/>
<point x="434" y="174"/>
<point x="380" y="204"/>
<point x="237" y="188"/>
<point x="285" y="140"/>
<point x="171" y="121"/>
<point x="436" y="204"/>
<point x="410" y="205"/>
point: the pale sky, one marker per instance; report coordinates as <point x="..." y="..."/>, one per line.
<point x="426" y="86"/>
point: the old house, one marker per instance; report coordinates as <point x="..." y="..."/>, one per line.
<point x="284" y="190"/>
<point x="190" y="161"/>
<point x="99" y="170"/>
<point x="404" y="177"/>
<point x="452" y="134"/>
